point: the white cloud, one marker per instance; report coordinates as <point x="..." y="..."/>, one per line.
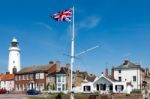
<point x="89" y="23"/>
<point x="45" y="25"/>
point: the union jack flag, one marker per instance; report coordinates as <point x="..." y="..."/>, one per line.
<point x="64" y="15"/>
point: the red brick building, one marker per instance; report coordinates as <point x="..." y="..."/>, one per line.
<point x="33" y="77"/>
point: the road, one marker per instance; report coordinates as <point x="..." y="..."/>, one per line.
<point x="13" y="96"/>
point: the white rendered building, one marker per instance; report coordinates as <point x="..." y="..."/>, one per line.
<point x="7" y="82"/>
<point x="129" y="72"/>
<point x="103" y="85"/>
<point x="14" y="56"/>
<point x="61" y="82"/>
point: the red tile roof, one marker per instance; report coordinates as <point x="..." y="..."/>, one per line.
<point x="7" y="77"/>
<point x="52" y="69"/>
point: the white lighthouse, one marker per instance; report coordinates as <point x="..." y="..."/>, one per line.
<point x="14" y="56"/>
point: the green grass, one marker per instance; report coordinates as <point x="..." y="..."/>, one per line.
<point x="84" y="96"/>
<point x="54" y="95"/>
<point x="40" y="97"/>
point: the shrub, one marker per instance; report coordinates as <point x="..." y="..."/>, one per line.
<point x="136" y="91"/>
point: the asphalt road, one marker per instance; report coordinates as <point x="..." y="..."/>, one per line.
<point x="13" y="96"/>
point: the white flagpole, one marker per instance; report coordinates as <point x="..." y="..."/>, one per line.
<point x="72" y="56"/>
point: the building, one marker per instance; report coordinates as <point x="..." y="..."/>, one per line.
<point x="58" y="79"/>
<point x="104" y="85"/>
<point x="146" y="82"/>
<point x="81" y="76"/>
<point x="33" y="77"/>
<point x="14" y="57"/>
<point x="7" y="82"/>
<point x="129" y="72"/>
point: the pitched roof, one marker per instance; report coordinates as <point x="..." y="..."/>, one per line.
<point x="7" y="77"/>
<point x="83" y="74"/>
<point x="63" y="70"/>
<point x="127" y="64"/>
<point x="35" y="69"/>
<point x="105" y="77"/>
<point x="91" y="79"/>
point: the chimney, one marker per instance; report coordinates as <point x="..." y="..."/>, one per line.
<point x="112" y="73"/>
<point x="58" y="66"/>
<point x="106" y="72"/>
<point x="7" y="73"/>
<point x="68" y="80"/>
<point x="68" y="66"/>
<point x="51" y="62"/>
<point x="147" y="70"/>
<point x="126" y="61"/>
<point x="14" y="70"/>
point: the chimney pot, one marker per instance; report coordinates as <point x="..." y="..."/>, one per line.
<point x="106" y="72"/>
<point x="112" y="73"/>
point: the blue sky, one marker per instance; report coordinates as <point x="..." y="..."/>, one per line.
<point x="120" y="27"/>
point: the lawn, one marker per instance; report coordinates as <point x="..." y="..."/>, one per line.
<point x="52" y="96"/>
<point x="86" y="96"/>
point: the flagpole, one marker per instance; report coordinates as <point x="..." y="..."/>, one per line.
<point x="72" y="56"/>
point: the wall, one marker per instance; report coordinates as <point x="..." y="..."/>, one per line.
<point x="14" y="59"/>
<point x="8" y="85"/>
<point x="127" y="75"/>
<point x="61" y="82"/>
<point x="23" y="82"/>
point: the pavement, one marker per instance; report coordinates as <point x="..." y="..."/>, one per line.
<point x="13" y="96"/>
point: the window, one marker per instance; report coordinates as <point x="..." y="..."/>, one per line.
<point x="111" y="87"/>
<point x="28" y="76"/>
<point x="17" y="87"/>
<point x="63" y="86"/>
<point x="25" y="77"/>
<point x="41" y="75"/>
<point x="119" y="87"/>
<point x="37" y="75"/>
<point x="134" y="78"/>
<point x="103" y="86"/>
<point x="63" y="79"/>
<point x="119" y="71"/>
<point x="21" y="77"/>
<point x="31" y="76"/>
<point x="59" y="89"/>
<point x="119" y="78"/>
<point x="97" y="87"/>
<point x="58" y="85"/>
<point x="59" y="78"/>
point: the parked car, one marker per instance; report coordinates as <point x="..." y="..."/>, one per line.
<point x="33" y="92"/>
<point x="3" y="91"/>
